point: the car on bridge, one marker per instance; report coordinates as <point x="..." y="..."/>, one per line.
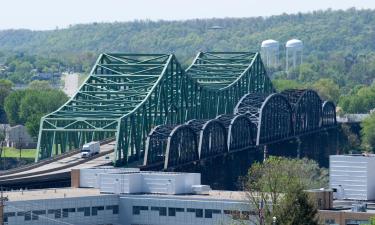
<point x="90" y="149"/>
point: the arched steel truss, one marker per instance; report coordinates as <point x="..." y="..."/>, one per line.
<point x="307" y="113"/>
<point x="181" y="147"/>
<point x="126" y="95"/>
<point x="156" y="146"/>
<point x="258" y="119"/>
<point x="328" y="114"/>
<point x="241" y="131"/>
<point x="272" y="114"/>
<point x="212" y="137"/>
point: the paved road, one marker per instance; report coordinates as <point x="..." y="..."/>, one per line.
<point x="66" y="164"/>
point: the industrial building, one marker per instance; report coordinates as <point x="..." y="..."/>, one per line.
<point x="127" y="197"/>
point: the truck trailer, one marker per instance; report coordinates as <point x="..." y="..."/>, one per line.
<point x="90" y="149"/>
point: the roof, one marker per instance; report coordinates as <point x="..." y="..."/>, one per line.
<point x="213" y="195"/>
<point x="55" y="193"/>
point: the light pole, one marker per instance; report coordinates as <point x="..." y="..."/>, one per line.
<point x="274" y="220"/>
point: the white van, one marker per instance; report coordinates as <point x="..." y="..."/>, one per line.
<point x="90" y="149"/>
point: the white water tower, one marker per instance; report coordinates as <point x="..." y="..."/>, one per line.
<point x="270" y="52"/>
<point x="294" y="50"/>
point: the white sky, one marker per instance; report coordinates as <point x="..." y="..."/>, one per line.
<point x="47" y="14"/>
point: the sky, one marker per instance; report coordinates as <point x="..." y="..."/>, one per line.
<point x="49" y="14"/>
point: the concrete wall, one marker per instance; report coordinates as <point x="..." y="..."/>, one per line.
<point x="68" y="210"/>
<point x="353" y="176"/>
<point x="329" y="217"/>
<point x="159" y="210"/>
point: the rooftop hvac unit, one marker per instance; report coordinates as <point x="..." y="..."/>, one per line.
<point x="359" y="207"/>
<point x="201" y="189"/>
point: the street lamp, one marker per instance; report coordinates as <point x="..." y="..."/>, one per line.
<point x="274" y="220"/>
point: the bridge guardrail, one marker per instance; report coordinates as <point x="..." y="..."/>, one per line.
<point x="54" y="169"/>
<point x="47" y="161"/>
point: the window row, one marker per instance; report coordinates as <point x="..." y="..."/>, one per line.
<point x="61" y="213"/>
<point x="199" y="213"/>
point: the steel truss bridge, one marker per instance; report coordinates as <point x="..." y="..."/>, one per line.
<point x="160" y="114"/>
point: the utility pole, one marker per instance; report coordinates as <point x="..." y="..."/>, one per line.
<point x="2" y="200"/>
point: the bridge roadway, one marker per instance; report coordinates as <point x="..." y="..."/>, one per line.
<point x="56" y="172"/>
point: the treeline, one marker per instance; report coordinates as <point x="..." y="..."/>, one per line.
<point x="338" y="45"/>
<point x="27" y="106"/>
<point x="20" y="67"/>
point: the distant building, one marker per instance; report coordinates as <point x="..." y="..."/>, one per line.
<point x="18" y="137"/>
<point x="46" y="76"/>
<point x="216" y="27"/>
<point x="128" y="197"/>
<point x="352" y="118"/>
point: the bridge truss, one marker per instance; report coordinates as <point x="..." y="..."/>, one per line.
<point x="128" y="95"/>
<point x="258" y="119"/>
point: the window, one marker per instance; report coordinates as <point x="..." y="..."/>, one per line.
<point x="65" y="212"/>
<point x="245" y="215"/>
<point x="85" y="210"/>
<point x="56" y="212"/>
<point x="234" y="213"/>
<point x="114" y="208"/>
<point x="95" y="210"/>
<point x="330" y="221"/>
<point x="7" y="215"/>
<point x="172" y="211"/>
<point x="36" y="213"/>
<point x="27" y="215"/>
<point x="162" y="210"/>
<point x="208" y="212"/>
<point x="198" y="212"/>
<point x="137" y="209"/>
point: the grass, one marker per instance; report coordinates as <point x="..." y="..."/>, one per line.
<point x="15" y="153"/>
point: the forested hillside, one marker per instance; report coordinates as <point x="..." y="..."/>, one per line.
<point x="351" y="31"/>
<point x="339" y="45"/>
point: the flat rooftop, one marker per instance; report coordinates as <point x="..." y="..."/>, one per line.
<point x="58" y="193"/>
<point x="51" y="194"/>
<point x="212" y="195"/>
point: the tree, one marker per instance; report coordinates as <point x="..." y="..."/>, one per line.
<point x="296" y="199"/>
<point x="279" y="181"/>
<point x="372" y="221"/>
<point x="39" y="85"/>
<point x="12" y="107"/>
<point x="361" y="100"/>
<point x="5" y="89"/>
<point x="281" y="84"/>
<point x="368" y="133"/>
<point x="327" y="89"/>
<point x="28" y="106"/>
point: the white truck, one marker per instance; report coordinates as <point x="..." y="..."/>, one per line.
<point x="90" y="149"/>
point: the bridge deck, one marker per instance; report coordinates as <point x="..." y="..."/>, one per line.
<point x="62" y="166"/>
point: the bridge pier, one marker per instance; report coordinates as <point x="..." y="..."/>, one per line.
<point x="288" y="148"/>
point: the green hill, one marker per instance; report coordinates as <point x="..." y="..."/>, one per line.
<point x="334" y="40"/>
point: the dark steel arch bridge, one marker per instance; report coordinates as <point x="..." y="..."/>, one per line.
<point x="258" y="120"/>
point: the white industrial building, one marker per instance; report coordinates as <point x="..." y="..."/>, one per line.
<point x="128" y="197"/>
<point x="353" y="176"/>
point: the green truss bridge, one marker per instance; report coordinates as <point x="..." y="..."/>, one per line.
<point x="127" y="95"/>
